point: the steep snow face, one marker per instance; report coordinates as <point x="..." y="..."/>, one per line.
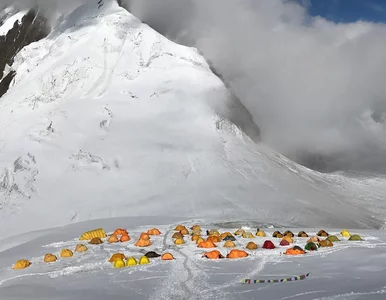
<point x="107" y="118"/>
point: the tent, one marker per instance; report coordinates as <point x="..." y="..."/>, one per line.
<point x="214" y="254"/>
<point x="81" y="248"/>
<point x="310" y="246"/>
<point x="21" y="264"/>
<point x="88" y="235"/>
<point x="277" y="234"/>
<point x="131" y="261"/>
<point x="66" y="253"/>
<point x="355" y="237"/>
<point x="229" y="244"/>
<point x="268" y="245"/>
<point x="345" y="233"/>
<point x="214" y="238"/>
<point x="333" y="238"/>
<point x="207" y="244"/>
<point x="229" y="238"/>
<point x="296" y="250"/>
<point x="284" y="243"/>
<point x="251" y="246"/>
<point x="325" y="243"/>
<point x="95" y="241"/>
<point x="116" y="256"/>
<point x="167" y="256"/>
<point x="288" y="232"/>
<point x="235" y="253"/>
<point x="49" y="257"/>
<point x="144" y="260"/>
<point x="260" y="233"/>
<point x="322" y="233"/>
<point x="302" y="234"/>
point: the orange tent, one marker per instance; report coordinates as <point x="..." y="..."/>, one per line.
<point x="113" y="239"/>
<point x="143" y="243"/>
<point x="167" y="256"/>
<point x="153" y="231"/>
<point x="235" y="253"/>
<point x="206" y="244"/>
<point x="215" y="254"/>
<point x="120" y="231"/>
<point x="125" y="238"/>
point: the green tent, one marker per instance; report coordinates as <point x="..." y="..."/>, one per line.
<point x="311" y="247"/>
<point x="333" y="238"/>
<point x="355" y="237"/>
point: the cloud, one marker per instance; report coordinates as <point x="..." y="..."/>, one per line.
<point x="315" y="88"/>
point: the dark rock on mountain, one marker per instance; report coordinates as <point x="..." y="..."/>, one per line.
<point x="33" y="27"/>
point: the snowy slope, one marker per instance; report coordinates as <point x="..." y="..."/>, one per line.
<point x="139" y="128"/>
<point x="349" y="270"/>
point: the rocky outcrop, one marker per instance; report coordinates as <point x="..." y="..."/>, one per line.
<point x="33" y="27"/>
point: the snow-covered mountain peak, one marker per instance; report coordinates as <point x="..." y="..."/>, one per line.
<point x="107" y="118"/>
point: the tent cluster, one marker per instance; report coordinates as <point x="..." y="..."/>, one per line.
<point x="50" y="257"/>
<point x="94" y="237"/>
<point x="119" y="260"/>
<point x="213" y="237"/>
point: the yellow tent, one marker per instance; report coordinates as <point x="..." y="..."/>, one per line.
<point x="88" y="235"/>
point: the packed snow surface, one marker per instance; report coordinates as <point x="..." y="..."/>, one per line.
<point x="107" y="118"/>
<point x="348" y="270"/>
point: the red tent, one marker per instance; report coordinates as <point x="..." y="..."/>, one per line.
<point x="268" y="245"/>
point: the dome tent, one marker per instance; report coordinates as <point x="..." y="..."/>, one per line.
<point x="229" y="244"/>
<point x="229" y="238"/>
<point x="345" y="233"/>
<point x="333" y="238"/>
<point x="288" y="233"/>
<point x="284" y="242"/>
<point x="214" y="254"/>
<point x="131" y="261"/>
<point x="326" y="243"/>
<point x="95" y="241"/>
<point x="235" y="253"/>
<point x="296" y="250"/>
<point x="49" y="257"/>
<point x="260" y="233"/>
<point x="81" y="248"/>
<point x="268" y="245"/>
<point x="251" y="246"/>
<point x="21" y="264"/>
<point x="116" y="256"/>
<point x="167" y="256"/>
<point x="310" y="246"/>
<point x="277" y="234"/>
<point x="355" y="237"/>
<point x="66" y="253"/>
<point x="322" y="233"/>
<point x="302" y="234"/>
<point x="144" y="260"/>
<point x="119" y="263"/>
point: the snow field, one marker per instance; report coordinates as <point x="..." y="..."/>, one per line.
<point x="192" y="277"/>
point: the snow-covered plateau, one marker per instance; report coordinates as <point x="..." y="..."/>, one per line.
<point x="109" y="124"/>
